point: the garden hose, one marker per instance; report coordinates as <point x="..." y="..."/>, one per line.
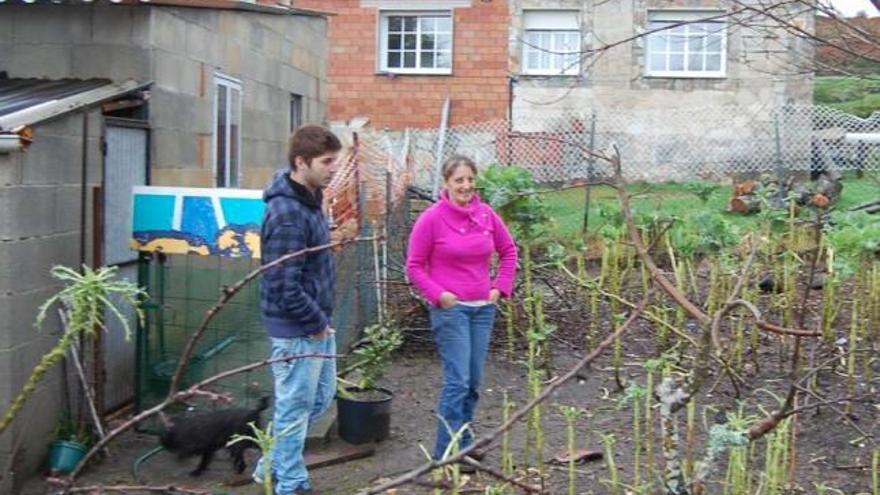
<point x="142" y="459"/>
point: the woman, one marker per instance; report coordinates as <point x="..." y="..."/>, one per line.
<point x="449" y="256"/>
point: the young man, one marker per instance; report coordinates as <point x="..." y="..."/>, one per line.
<point x="296" y="301"/>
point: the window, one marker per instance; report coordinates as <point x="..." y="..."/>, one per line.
<point x="227" y="131"/>
<point x="296" y="111"/>
<point x="696" y="48"/>
<point x="551" y="42"/>
<point x="416" y="43"/>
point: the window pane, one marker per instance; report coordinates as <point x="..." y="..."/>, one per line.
<point x="409" y="23"/>
<point x="409" y="60"/>
<point x="676" y="61"/>
<point x="533" y="38"/>
<point x="695" y="62"/>
<point x="696" y="28"/>
<point x="395" y="23"/>
<point x="532" y="60"/>
<point x="409" y="41"/>
<point x="444" y="24"/>
<point x="443" y="41"/>
<point x="713" y="43"/>
<point x="657" y="42"/>
<point x="427" y="42"/>
<point x="296" y="111"/>
<point x="573" y="42"/>
<point x="695" y="44"/>
<point x="444" y="59"/>
<point x="394" y="42"/>
<point x="428" y="24"/>
<point x="427" y="60"/>
<point x="676" y="43"/>
<point x="234" y="137"/>
<point x="220" y="136"/>
<point x="713" y="62"/>
<point x="657" y="62"/>
<point x="393" y="59"/>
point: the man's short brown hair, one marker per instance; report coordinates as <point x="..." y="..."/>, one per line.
<point x="310" y="141"/>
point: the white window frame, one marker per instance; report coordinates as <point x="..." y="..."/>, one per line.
<point x="553" y="22"/>
<point x="673" y="15"/>
<point x="228" y="85"/>
<point x="297" y="111"/>
<point x="382" y="52"/>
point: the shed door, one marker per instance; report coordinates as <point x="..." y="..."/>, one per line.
<point x="125" y="166"/>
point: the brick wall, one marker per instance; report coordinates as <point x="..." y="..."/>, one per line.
<point x="478" y="86"/>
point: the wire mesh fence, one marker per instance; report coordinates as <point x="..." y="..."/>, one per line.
<point x="388" y="177"/>
<point x="655" y="145"/>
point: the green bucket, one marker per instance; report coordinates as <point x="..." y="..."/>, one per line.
<point x="64" y="455"/>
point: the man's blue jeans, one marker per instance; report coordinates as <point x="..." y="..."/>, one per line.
<point x="462" y="334"/>
<point x="304" y="389"/>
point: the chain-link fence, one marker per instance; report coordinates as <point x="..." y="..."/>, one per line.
<point x="654" y="145"/>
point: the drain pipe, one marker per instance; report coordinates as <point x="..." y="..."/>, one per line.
<point x="83" y="193"/>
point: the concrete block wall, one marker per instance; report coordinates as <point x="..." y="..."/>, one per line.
<point x="57" y="41"/>
<point x="272" y="56"/>
<point x="180" y="49"/>
<point x="40" y="226"/>
<point x="478" y="86"/>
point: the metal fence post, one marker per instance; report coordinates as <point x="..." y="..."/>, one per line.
<point x="779" y="170"/>
<point x="591" y="161"/>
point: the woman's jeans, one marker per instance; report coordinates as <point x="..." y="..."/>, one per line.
<point x="304" y="389"/>
<point x="462" y="334"/>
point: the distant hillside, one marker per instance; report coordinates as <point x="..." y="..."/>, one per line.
<point x="842" y="35"/>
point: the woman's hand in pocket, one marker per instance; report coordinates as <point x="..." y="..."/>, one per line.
<point x="494" y="296"/>
<point x="448" y="300"/>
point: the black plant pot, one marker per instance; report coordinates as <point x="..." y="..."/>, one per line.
<point x="364" y="419"/>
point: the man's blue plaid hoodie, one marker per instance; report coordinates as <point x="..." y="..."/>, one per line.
<point x="296" y="297"/>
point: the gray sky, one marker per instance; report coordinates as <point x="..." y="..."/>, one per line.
<point x="851" y="7"/>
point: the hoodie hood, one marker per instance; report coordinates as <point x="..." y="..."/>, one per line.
<point x="283" y="186"/>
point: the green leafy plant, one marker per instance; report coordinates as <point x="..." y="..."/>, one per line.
<point x="702" y="190"/>
<point x="265" y="440"/>
<point x="512" y="192"/>
<point x="85" y="297"/>
<point x="67" y="430"/>
<point x="571" y="415"/>
<point x="371" y="359"/>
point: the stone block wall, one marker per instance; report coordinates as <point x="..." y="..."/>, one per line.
<point x="760" y="64"/>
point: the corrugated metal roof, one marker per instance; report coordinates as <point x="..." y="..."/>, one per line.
<point x="25" y="102"/>
<point x="18" y="94"/>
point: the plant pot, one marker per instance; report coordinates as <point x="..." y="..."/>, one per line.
<point x="364" y="419"/>
<point x="64" y="455"/>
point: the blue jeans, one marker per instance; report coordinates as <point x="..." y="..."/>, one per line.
<point x="304" y="390"/>
<point x="462" y="334"/>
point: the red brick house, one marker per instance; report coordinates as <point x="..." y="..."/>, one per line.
<point x="396" y="61"/>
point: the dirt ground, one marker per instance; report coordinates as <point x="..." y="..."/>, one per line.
<point x="826" y="451"/>
<point x="831" y="451"/>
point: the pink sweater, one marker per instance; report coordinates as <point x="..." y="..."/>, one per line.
<point x="451" y="247"/>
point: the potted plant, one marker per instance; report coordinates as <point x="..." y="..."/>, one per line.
<point x="70" y="445"/>
<point x="364" y="409"/>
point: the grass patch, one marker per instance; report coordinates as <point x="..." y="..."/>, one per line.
<point x="848" y="94"/>
<point x="672" y="200"/>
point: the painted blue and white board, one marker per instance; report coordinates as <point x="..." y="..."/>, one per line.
<point x="190" y="220"/>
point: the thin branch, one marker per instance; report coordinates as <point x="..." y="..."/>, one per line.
<point x="229" y="292"/>
<point x="98" y="489"/>
<point x="487" y="439"/>
<point x="182" y="395"/>
<point x="501" y="476"/>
